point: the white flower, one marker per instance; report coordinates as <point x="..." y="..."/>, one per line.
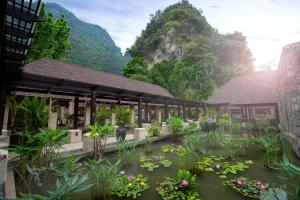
<point x="122" y="172"/>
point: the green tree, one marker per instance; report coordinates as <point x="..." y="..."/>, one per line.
<point x="137" y="69"/>
<point x="51" y="38"/>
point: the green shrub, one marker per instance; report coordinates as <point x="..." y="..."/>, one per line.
<point x="176" y="125"/>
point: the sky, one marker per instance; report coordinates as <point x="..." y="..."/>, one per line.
<point x="267" y="24"/>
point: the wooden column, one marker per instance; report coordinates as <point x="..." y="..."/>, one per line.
<point x="178" y="107"/>
<point x="119" y="101"/>
<point x="3" y="68"/>
<point x="146" y="113"/>
<point x="184" y="113"/>
<point x="197" y="112"/>
<point x="76" y="107"/>
<point x="140" y="112"/>
<point x="189" y="112"/>
<point x="93" y="107"/>
<point x="166" y="115"/>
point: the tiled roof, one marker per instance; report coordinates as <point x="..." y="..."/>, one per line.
<point x="56" y="69"/>
<point x="256" y="88"/>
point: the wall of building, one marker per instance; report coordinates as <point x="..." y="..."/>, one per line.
<point x="289" y="92"/>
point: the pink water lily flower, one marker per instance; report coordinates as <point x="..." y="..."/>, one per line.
<point x="258" y="182"/>
<point x="264" y="186"/>
<point x="130" y="176"/>
<point x="239" y="182"/>
<point x="184" y="183"/>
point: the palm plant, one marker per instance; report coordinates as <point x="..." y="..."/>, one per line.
<point x="123" y="118"/>
<point x="35" y="113"/>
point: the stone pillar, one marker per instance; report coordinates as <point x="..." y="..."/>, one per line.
<point x="146" y="112"/>
<point x="52" y="121"/>
<point x="158" y="114"/>
<point x="132" y="107"/>
<point x="139" y="134"/>
<point x="71" y="107"/>
<point x="75" y="136"/>
<point x="3" y="167"/>
<point x="5" y="118"/>
<point x="88" y="114"/>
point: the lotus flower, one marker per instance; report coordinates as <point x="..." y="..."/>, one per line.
<point x="184" y="183"/>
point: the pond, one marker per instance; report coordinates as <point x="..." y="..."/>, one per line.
<point x="209" y="185"/>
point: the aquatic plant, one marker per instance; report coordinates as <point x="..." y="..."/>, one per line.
<point x="66" y="190"/>
<point x="104" y="174"/>
<point x="228" y="145"/>
<point x="270" y="145"/>
<point x="179" y="188"/>
<point x="154" y="129"/>
<point x="214" y="139"/>
<point x="153" y="162"/>
<point x="293" y="170"/>
<point x="273" y="194"/>
<point x="130" y="186"/>
<point x="225" y="123"/>
<point x="148" y="144"/>
<point x="254" y="188"/>
<point x="196" y="142"/>
<point x="202" y="120"/>
<point x="219" y="166"/>
<point x="243" y="145"/>
<point x="179" y="150"/>
<point x="127" y="152"/>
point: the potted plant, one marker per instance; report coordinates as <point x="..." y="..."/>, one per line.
<point x="154" y="129"/>
<point x="123" y="117"/>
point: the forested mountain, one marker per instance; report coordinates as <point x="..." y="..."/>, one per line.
<point x="92" y="46"/>
<point x="186" y="55"/>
